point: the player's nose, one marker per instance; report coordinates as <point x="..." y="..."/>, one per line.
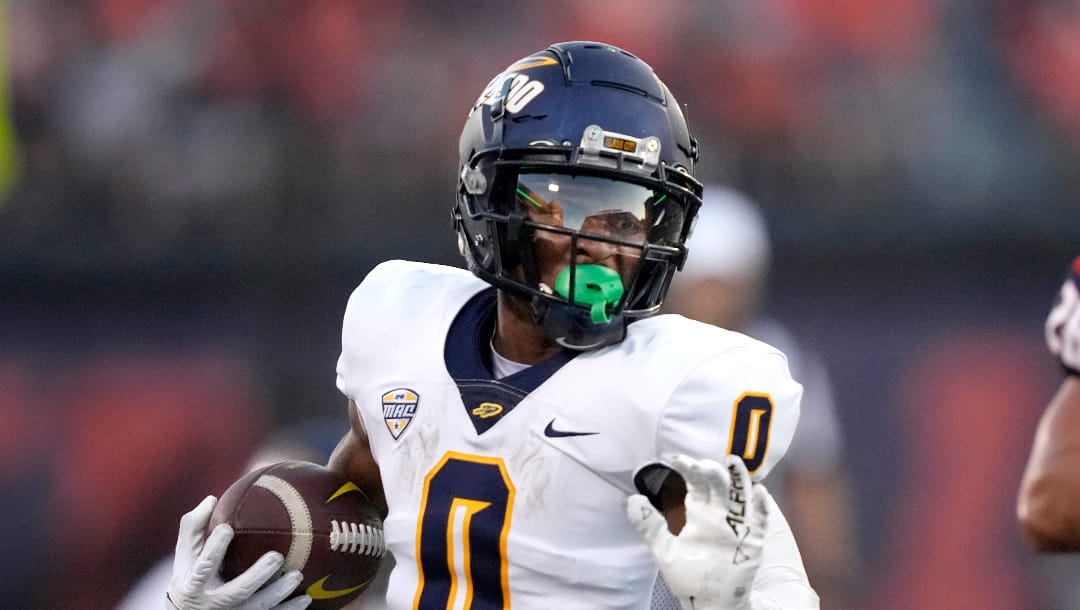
<point x="592" y="251"/>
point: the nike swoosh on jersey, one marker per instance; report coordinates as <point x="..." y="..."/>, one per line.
<point x="551" y="432"/>
<point x="316" y="590"/>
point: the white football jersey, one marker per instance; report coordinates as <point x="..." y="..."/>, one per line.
<point x="512" y="492"/>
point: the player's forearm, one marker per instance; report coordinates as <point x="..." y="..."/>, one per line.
<point x="352" y="459"/>
<point x="1048" y="505"/>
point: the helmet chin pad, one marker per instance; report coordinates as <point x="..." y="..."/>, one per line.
<point x="597" y="286"/>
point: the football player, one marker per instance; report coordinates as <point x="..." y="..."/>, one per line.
<point x="535" y="435"/>
<point x="1048" y="506"/>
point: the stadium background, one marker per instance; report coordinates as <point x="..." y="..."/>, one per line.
<point x="193" y="187"/>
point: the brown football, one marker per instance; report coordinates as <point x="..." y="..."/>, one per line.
<point x="323" y="524"/>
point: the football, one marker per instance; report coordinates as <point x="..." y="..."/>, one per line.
<point x="324" y="525"/>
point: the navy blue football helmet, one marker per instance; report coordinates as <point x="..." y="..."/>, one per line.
<point x="580" y="149"/>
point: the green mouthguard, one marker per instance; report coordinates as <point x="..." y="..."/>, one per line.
<point x="594" y="285"/>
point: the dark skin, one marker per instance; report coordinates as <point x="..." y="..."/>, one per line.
<point x="1048" y="504"/>
<point x="518" y="338"/>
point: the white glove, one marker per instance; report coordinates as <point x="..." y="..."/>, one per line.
<point x="712" y="562"/>
<point x="196" y="584"/>
<point x="1063" y="323"/>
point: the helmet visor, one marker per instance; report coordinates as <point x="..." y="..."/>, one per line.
<point x="629" y="213"/>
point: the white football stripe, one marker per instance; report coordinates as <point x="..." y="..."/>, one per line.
<point x="299" y="516"/>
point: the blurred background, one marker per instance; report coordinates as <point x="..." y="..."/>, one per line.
<point x="192" y="188"/>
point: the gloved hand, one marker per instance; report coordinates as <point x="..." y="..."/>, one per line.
<point x="1063" y="323"/>
<point x="196" y="584"/>
<point x="712" y="562"/>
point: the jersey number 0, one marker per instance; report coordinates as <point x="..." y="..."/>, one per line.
<point x="462" y="528"/>
<point x="751" y="423"/>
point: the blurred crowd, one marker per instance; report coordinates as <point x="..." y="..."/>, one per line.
<point x="190" y="188"/>
<point x="256" y="127"/>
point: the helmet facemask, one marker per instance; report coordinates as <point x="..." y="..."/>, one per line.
<point x="576" y="190"/>
<point x="588" y="249"/>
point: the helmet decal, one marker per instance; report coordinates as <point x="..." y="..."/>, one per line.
<point x="520" y="90"/>
<point x="534" y="61"/>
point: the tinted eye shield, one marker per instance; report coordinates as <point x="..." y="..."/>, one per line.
<point x="599" y="208"/>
